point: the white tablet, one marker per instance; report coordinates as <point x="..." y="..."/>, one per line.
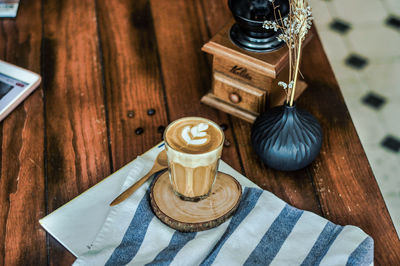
<point x="15" y="85"/>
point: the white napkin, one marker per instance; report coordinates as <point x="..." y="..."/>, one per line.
<point x="264" y="230"/>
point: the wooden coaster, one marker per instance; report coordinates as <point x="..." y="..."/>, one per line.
<point x="187" y="216"/>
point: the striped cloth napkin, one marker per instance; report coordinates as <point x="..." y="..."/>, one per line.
<point x="263" y="231"/>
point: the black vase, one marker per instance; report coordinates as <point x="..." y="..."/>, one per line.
<point x="286" y="138"/>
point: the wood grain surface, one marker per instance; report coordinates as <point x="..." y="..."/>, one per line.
<point x="104" y="64"/>
<point x="76" y="133"/>
<point x="132" y="77"/>
<point x="22" y="179"/>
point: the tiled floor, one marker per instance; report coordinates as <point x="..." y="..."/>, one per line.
<point x="362" y="40"/>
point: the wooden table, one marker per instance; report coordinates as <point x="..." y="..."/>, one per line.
<point x="104" y="64"/>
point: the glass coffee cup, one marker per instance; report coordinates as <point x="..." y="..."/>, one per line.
<point x="194" y="147"/>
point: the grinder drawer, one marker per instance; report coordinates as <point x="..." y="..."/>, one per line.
<point x="238" y="93"/>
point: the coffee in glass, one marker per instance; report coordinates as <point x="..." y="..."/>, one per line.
<point x="194" y="147"/>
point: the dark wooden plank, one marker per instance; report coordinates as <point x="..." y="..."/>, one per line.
<point x="77" y="144"/>
<point x="295" y="188"/>
<point x="132" y="77"/>
<point x="181" y="31"/>
<point x="22" y="185"/>
<point x="216" y="15"/>
<point x="342" y="175"/>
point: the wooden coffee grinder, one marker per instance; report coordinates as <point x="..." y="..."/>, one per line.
<point x="248" y="61"/>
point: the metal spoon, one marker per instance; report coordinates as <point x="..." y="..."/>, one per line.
<point x="159" y="164"/>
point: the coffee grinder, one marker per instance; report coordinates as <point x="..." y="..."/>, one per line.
<point x="249" y="61"/>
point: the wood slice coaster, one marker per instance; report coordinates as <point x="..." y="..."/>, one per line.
<point x="187" y="216"/>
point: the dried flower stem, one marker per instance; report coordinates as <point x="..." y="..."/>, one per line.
<point x="294" y="28"/>
<point x="288" y="93"/>
<point x="296" y="71"/>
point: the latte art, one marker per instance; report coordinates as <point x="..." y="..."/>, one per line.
<point x="196" y="134"/>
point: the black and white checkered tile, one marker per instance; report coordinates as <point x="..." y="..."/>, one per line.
<point x="362" y="41"/>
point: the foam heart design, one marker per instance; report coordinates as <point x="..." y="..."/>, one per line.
<point x="197" y="132"/>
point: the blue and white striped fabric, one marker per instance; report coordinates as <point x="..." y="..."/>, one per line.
<point x="263" y="231"/>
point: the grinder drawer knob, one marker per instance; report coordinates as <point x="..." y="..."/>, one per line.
<point x="234" y="97"/>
